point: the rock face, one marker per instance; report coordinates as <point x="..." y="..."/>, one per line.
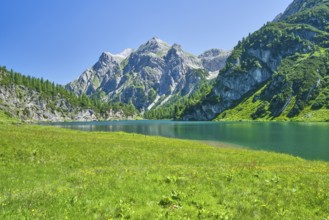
<point x="107" y="72"/>
<point x="301" y="32"/>
<point x="298" y="6"/>
<point x="29" y="105"/>
<point x="148" y="76"/>
<point x="214" y="59"/>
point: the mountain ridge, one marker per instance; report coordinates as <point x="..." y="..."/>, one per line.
<point x="148" y="76"/>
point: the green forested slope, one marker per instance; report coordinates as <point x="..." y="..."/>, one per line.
<point x="277" y="73"/>
<point x="299" y="90"/>
<point x="173" y="108"/>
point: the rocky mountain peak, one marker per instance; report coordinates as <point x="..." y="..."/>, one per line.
<point x="214" y="53"/>
<point x="107" y="57"/>
<point x="154" y="45"/>
<point x="176" y="55"/>
<point x="149" y="76"/>
<point x="214" y="59"/>
<point x="176" y="46"/>
<point x="104" y="60"/>
<point x="298" y="6"/>
<point x="293" y="8"/>
<point x="126" y="52"/>
<point x="175" y="51"/>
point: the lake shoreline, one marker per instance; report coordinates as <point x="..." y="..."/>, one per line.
<point x="48" y="170"/>
<point x="219" y="144"/>
<point x="307" y="140"/>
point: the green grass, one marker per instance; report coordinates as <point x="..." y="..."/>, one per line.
<point x="5" y="118"/>
<point x="243" y="111"/>
<point x="53" y="173"/>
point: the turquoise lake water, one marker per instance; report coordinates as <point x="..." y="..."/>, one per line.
<point x="306" y="140"/>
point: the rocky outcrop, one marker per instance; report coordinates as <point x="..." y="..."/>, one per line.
<point x="214" y="60"/>
<point x="148" y="76"/>
<point x="106" y="73"/>
<point x="299" y="6"/>
<point x="29" y="105"/>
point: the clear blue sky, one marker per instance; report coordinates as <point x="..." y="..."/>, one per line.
<point x="59" y="39"/>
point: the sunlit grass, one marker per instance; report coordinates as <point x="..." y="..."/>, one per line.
<point x="52" y="173"/>
<point x="245" y="110"/>
<point x="5" y="118"/>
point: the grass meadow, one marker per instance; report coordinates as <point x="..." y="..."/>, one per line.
<point x="53" y="173"/>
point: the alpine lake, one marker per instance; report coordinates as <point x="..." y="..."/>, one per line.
<point x="305" y="140"/>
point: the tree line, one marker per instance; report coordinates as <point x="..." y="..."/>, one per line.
<point x="50" y="90"/>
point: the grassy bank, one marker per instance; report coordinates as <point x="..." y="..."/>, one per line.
<point x="5" y="118"/>
<point x="52" y="173"/>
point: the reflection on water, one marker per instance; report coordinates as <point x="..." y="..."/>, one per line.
<point x="307" y="140"/>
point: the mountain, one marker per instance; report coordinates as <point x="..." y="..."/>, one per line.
<point x="149" y="76"/>
<point x="280" y="72"/>
<point x="298" y="6"/>
<point x="214" y="60"/>
<point x="31" y="99"/>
